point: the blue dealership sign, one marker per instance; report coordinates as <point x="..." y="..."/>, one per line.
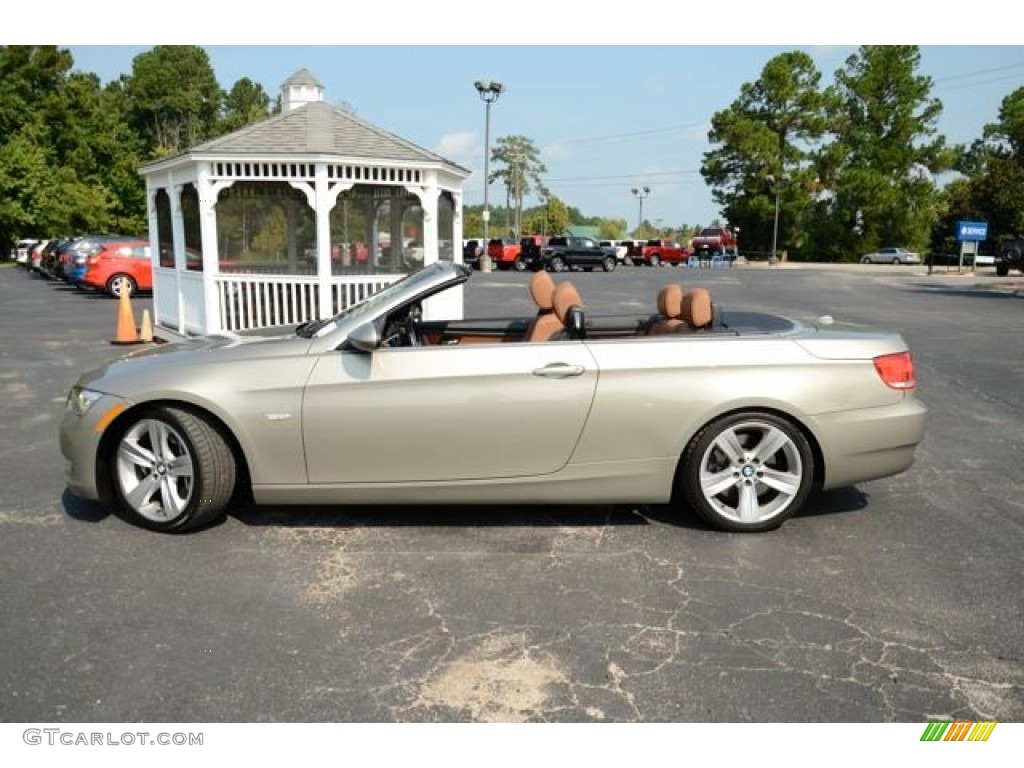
<point x="971" y="231"/>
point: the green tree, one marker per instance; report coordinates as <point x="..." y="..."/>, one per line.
<point x="612" y="229"/>
<point x="244" y="104"/>
<point x="550" y="218"/>
<point x="994" y="166"/>
<point x="762" y="150"/>
<point x="175" y="99"/>
<point x="520" y="169"/>
<point x="879" y="170"/>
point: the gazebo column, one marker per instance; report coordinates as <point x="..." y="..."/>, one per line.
<point x="428" y="204"/>
<point x="457" y="226"/>
<point x="208" y="194"/>
<point x="178" y="248"/>
<point x="292" y="212"/>
<point x="374" y="244"/>
<point x="397" y="241"/>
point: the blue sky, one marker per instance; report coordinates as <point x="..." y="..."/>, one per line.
<point x="606" y="117"/>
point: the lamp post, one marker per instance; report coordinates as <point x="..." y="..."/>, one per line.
<point x="489" y="91"/>
<point x="640" y="194"/>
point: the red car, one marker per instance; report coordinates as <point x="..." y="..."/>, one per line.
<point x="122" y="265"/>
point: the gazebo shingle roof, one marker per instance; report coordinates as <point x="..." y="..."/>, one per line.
<point x="302" y="77"/>
<point x="318" y="128"/>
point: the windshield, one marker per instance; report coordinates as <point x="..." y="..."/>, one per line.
<point x="368" y="307"/>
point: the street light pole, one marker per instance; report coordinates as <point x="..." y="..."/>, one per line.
<point x="640" y="194"/>
<point x="775" y="228"/>
<point x="489" y="91"/>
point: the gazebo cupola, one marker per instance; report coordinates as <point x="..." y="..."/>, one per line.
<point x="297" y="217"/>
<point x="301" y="88"/>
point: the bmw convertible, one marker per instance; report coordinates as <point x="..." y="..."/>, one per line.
<point x="738" y="416"/>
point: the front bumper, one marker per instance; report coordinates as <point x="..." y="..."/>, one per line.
<point x="80" y="438"/>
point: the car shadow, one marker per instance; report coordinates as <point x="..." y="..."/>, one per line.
<point x="839" y="501"/>
<point x="433" y="516"/>
<point x="84" y="510"/>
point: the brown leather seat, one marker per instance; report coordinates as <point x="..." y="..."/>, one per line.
<point x="542" y="291"/>
<point x="670" y="310"/>
<point x="697" y="310"/>
<point x="565" y="300"/>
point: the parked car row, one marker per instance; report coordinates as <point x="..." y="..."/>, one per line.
<point x="561" y="252"/>
<point x="114" y="264"/>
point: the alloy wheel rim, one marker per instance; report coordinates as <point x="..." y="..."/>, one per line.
<point x="155" y="470"/>
<point x="751" y="472"/>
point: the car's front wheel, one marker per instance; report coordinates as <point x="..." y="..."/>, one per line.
<point x="519" y="264"/>
<point x="608" y="264"/>
<point x="171" y="471"/>
<point x="748" y="471"/>
<point x="119" y="284"/>
<point x="655" y="260"/>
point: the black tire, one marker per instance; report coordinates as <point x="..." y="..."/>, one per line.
<point x="557" y="264"/>
<point x="730" y="492"/>
<point x="120" y="282"/>
<point x="628" y="261"/>
<point x="519" y="265"/>
<point x="608" y="264"/>
<point x="865" y="260"/>
<point x="1002" y="270"/>
<point x="183" y="483"/>
<point x="655" y="260"/>
<point x="895" y="260"/>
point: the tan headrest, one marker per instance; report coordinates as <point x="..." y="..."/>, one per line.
<point x="670" y="301"/>
<point x="566" y="297"/>
<point x="697" y="308"/>
<point x="542" y="289"/>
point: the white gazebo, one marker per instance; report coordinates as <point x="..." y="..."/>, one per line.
<point x="295" y="218"/>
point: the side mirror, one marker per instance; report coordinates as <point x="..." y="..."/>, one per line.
<point x="365" y="338"/>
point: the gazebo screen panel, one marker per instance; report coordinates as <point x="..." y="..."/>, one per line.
<point x="265" y="228"/>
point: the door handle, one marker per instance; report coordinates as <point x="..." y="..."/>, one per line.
<point x="559" y="371"/>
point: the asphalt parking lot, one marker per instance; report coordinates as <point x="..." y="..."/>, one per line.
<point x="896" y="600"/>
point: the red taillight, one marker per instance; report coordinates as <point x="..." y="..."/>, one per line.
<point x="896" y="370"/>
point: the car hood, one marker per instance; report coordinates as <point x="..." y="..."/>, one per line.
<point x="171" y="360"/>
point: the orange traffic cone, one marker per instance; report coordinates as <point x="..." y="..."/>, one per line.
<point x="126" y="332"/>
<point x="146" y="332"/>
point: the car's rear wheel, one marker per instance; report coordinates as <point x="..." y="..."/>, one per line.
<point x="628" y="261"/>
<point x="557" y="264"/>
<point x="608" y="264"/>
<point x="895" y="260"/>
<point x="1002" y="270"/>
<point x="171" y="471"/>
<point x="655" y="260"/>
<point x="865" y="260"/>
<point x="519" y="264"/>
<point x="748" y="471"/>
<point x="119" y="284"/>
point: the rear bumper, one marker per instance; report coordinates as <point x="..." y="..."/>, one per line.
<point x="870" y="443"/>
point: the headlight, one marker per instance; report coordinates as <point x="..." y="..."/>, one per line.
<point x="80" y="400"/>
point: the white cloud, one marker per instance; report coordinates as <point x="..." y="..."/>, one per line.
<point x="460" y="147"/>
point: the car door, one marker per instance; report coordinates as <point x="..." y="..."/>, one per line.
<point x="449" y="412"/>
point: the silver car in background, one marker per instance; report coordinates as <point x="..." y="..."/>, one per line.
<point x="736" y="415"/>
<point x="891" y="256"/>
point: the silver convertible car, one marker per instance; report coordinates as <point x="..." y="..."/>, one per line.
<point x="735" y="415"/>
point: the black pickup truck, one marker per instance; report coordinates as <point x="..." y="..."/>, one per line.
<point x="1010" y="257"/>
<point x="564" y="252"/>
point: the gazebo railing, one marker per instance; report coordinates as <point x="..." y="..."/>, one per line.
<point x="261" y="300"/>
